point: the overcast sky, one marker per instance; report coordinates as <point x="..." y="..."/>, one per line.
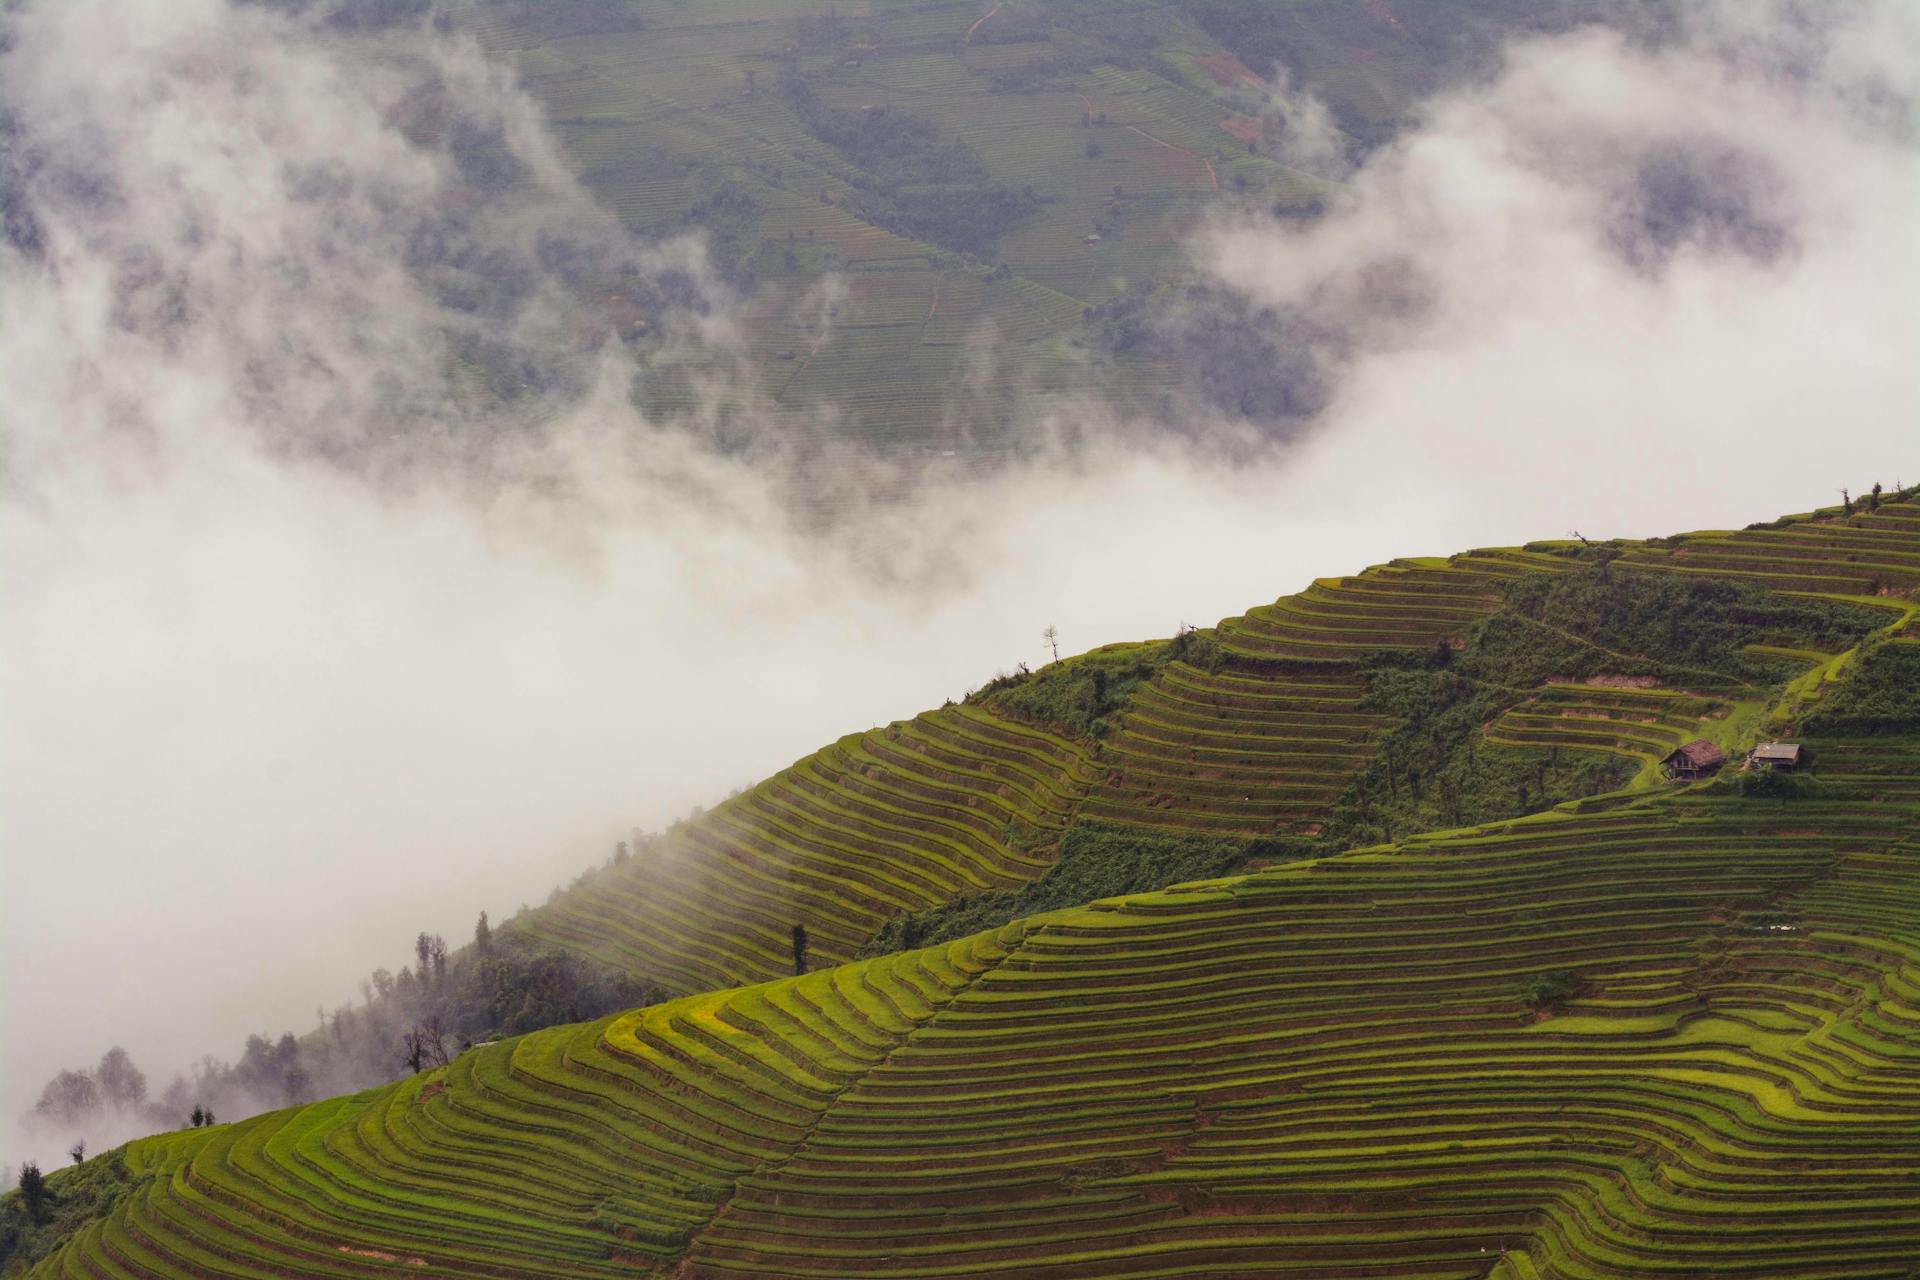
<point x="264" y="716"/>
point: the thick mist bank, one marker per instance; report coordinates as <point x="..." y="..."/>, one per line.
<point x="311" y="642"/>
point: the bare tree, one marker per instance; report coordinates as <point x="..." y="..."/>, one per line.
<point x="78" y="1151"/>
<point x="121" y="1082"/>
<point x="1052" y="637"/>
<point x="426" y="1045"/>
<point x="72" y="1098"/>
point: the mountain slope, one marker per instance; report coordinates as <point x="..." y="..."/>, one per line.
<point x="1666" y="1030"/>
<point x="1678" y="1036"/>
<point x="1257" y="729"/>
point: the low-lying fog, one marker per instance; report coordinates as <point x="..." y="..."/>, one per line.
<point x="304" y="648"/>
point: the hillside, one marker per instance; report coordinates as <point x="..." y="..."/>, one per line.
<point x="1300" y="725"/>
<point x="1677" y="1033"/>
<point x="929" y="203"/>
<point x="1658" y="1029"/>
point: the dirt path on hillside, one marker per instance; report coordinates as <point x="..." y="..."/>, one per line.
<point x="982" y="18"/>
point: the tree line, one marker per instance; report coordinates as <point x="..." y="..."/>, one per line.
<point x="422" y="1016"/>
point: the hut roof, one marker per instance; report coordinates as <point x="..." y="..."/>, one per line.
<point x="1777" y="751"/>
<point x="1700" y="753"/>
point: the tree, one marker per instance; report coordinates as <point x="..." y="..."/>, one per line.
<point x="799" y="949"/>
<point x="199" y="1116"/>
<point x="294" y="1080"/>
<point x="33" y="1191"/>
<point x="1052" y="638"/>
<point x="78" y="1151"/>
<point x="426" y="1045"/>
<point x="483" y="935"/>
<point x="1873" y="497"/>
<point x="120" y="1081"/>
<point x="71" y="1097"/>
<point x="437" y="952"/>
<point x="423" y="953"/>
<point x="1846" y="502"/>
<point x="1548" y="992"/>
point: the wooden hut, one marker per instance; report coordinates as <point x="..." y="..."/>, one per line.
<point x="1695" y="760"/>
<point x="1777" y="755"/>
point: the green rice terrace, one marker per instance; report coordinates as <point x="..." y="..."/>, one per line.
<point x="1459" y="983"/>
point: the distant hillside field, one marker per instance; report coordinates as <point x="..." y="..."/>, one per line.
<point x="928" y="204"/>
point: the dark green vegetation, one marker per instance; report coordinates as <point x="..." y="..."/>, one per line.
<point x="971" y="177"/>
<point x="1666" y="1029"/>
<point x="1095" y="861"/>
<point x="42" y="1210"/>
<point x="1675" y="630"/>
<point x="1470" y="725"/>
<point x="1075" y="697"/>
<point x="1879" y="694"/>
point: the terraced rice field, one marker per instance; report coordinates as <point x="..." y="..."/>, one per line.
<point x="1235" y="754"/>
<point x="1338" y="1068"/>
<point x="1644" y="724"/>
<point x="910" y="816"/>
<point x="1877" y="770"/>
<point x="1865" y="554"/>
<point x="887" y="821"/>
<point x="1407" y="604"/>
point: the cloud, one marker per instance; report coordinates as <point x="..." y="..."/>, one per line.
<point x="349" y="595"/>
<point x="1621" y="284"/>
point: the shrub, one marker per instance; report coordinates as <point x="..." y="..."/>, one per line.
<point x="1777" y="784"/>
<point x="1880" y="694"/>
<point x="1549" y="992"/>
